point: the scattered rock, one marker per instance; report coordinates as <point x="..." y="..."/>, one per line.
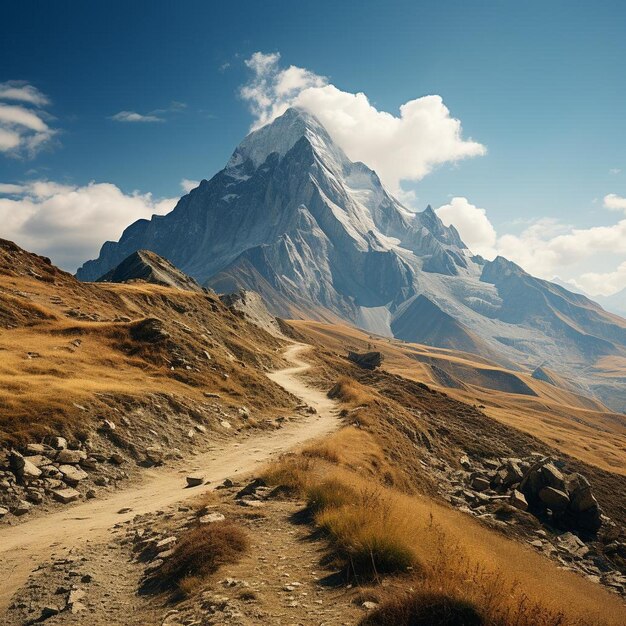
<point x="21" y="508"/>
<point x="211" y="518"/>
<point x="479" y="483"/>
<point x="58" y="443"/>
<point x="72" y="475"/>
<point x="195" y="480"/>
<point x="66" y="495"/>
<point x="518" y="500"/>
<point x="368" y="605"/>
<point x="155" y="454"/>
<point x="71" y="457"/>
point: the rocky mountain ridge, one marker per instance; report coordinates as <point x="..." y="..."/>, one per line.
<point x="317" y="235"/>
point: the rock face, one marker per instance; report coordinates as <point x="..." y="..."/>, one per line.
<point x="367" y="360"/>
<point x="317" y="235"/>
<point x="149" y="267"/>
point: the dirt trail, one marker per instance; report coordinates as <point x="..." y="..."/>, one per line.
<point x="24" y="546"/>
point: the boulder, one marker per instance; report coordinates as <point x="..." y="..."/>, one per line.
<point x="513" y="471"/>
<point x="553" y="477"/>
<point x="366" y="360"/>
<point x="572" y="544"/>
<point x="149" y="330"/>
<point x="581" y="497"/>
<point x="554" y="499"/>
<point x="165" y="544"/>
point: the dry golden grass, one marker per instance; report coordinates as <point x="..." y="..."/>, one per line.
<point x="49" y="363"/>
<point x="351" y="392"/>
<point x="373" y="530"/>
<point x="576" y="425"/>
<point x="199" y="553"/>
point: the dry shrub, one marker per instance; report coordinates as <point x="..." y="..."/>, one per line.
<point x="291" y="472"/>
<point x="349" y="391"/>
<point x="425" y="609"/>
<point x="331" y="493"/>
<point x="369" y="533"/>
<point x="200" y="552"/>
<point x="454" y="590"/>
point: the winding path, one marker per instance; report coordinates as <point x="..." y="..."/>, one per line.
<point x="24" y="546"/>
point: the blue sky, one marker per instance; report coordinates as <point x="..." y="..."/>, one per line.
<point x="539" y="84"/>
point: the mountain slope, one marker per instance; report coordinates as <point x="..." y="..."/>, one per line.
<point x="319" y="236"/>
<point x="149" y="267"/>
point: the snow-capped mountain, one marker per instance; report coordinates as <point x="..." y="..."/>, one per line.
<point x="290" y="216"/>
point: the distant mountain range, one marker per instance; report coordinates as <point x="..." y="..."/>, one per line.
<point x="319" y="236"/>
<point x="615" y="303"/>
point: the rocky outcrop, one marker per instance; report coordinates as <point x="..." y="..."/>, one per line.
<point x="366" y="360"/>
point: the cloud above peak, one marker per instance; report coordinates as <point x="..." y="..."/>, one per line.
<point x="402" y="147"/>
<point x="473" y="225"/>
<point x="24" y="124"/>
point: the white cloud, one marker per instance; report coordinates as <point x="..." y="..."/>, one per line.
<point x="399" y="147"/>
<point x="68" y="223"/>
<point x="23" y="124"/>
<point x="10" y="189"/>
<point x="473" y="225"/>
<point x="615" y="170"/>
<point x="131" y="116"/>
<point x="614" y="202"/>
<point x="547" y="248"/>
<point x="19" y="90"/>
<point x="605" y="284"/>
<point x="187" y="184"/>
<point x="152" y="116"/>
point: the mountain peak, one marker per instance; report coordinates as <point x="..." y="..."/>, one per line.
<point x="280" y="135"/>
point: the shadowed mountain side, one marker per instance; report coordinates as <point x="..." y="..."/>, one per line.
<point x="149" y="267"/>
